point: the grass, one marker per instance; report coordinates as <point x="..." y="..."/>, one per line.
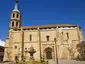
<point x="21" y="63"/>
<point x="33" y="63"/>
<point x="40" y="63"/>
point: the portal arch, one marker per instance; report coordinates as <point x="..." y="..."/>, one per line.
<point x="48" y="53"/>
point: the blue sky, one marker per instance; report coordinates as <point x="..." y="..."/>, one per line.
<point x="43" y="12"/>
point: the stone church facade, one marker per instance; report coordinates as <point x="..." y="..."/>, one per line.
<point x="49" y="41"/>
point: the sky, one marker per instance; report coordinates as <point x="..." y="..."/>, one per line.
<point x="43" y="12"/>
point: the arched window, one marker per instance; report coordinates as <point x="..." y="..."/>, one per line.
<point x="17" y="15"/>
<point x="30" y="37"/>
<point x="25" y="48"/>
<point x="48" y="53"/>
<point x="47" y="37"/>
<point x="12" y="24"/>
<point x="67" y="35"/>
<point x="15" y="47"/>
<point x="16" y="24"/>
<point x="13" y="15"/>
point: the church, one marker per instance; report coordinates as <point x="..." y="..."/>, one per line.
<point x="46" y="42"/>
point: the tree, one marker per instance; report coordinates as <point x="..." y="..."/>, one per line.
<point x="81" y="51"/>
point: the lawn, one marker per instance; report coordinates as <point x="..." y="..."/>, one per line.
<point x="40" y="63"/>
<point x="33" y="62"/>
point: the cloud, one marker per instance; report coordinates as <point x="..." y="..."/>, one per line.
<point x="2" y="43"/>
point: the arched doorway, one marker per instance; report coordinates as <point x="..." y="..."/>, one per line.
<point x="48" y="53"/>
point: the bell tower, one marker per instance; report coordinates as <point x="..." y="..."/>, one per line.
<point x="15" y="19"/>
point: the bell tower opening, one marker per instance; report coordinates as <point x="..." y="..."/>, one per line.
<point x="16" y="24"/>
<point x="13" y="15"/>
<point x="17" y="15"/>
<point x="12" y="24"/>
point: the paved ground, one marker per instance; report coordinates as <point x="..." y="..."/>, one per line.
<point x="66" y="62"/>
<point x="60" y="62"/>
<point x="8" y="63"/>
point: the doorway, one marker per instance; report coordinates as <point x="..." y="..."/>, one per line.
<point x="48" y="53"/>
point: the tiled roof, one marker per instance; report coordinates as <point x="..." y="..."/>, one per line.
<point x="48" y="26"/>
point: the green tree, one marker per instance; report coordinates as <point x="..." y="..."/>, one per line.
<point x="81" y="51"/>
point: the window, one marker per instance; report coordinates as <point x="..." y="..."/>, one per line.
<point x="17" y="15"/>
<point x="25" y="48"/>
<point x="67" y="35"/>
<point x="30" y="37"/>
<point x="47" y="37"/>
<point x="16" y="24"/>
<point x="15" y="47"/>
<point x="13" y="15"/>
<point x="12" y="24"/>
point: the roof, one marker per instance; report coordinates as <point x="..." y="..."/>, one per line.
<point x="16" y="10"/>
<point x="48" y="26"/>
